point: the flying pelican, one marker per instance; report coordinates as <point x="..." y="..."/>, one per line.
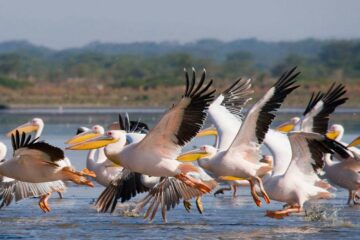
<point x="241" y="159"/>
<point x="35" y="161"/>
<point x="36" y="125"/>
<point x="156" y="154"/>
<point x="296" y="185"/>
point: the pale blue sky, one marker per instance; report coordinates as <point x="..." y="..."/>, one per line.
<point x="71" y="23"/>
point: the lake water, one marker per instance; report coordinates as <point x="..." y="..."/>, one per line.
<point x="75" y="217"/>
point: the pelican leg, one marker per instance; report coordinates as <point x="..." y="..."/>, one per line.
<point x="221" y="190"/>
<point x="350" y="197"/>
<point x="60" y="195"/>
<point x="280" y="214"/>
<point x="265" y="196"/>
<point x="234" y="188"/>
<point x="199" y="205"/>
<point x="87" y="172"/>
<point x="76" y="177"/>
<point x="187" y="205"/>
<point x="253" y="193"/>
<point x="193" y="183"/>
<point x="43" y="203"/>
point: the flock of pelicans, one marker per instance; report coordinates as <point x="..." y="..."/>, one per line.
<point x="306" y="156"/>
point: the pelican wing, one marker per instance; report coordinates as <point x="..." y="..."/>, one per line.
<point x="181" y="122"/>
<point x="166" y="195"/>
<point x="260" y="116"/>
<point x="20" y="190"/>
<point x="316" y="115"/>
<point x="23" y="143"/>
<point x="308" y="150"/>
<point x="226" y="111"/>
<point x="124" y="186"/>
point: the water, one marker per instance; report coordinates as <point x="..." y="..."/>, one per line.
<point x="224" y="218"/>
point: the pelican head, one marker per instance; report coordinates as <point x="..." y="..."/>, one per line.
<point x="288" y="126"/>
<point x="35" y="125"/>
<point x="205" y="151"/>
<point x="86" y="134"/>
<point x="210" y="131"/>
<point x="335" y="132"/>
<point x="99" y="141"/>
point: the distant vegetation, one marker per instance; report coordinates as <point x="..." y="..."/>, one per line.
<point x="87" y="75"/>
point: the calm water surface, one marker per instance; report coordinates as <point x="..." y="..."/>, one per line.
<point x="224" y="218"/>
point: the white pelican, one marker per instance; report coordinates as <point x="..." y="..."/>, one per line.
<point x="242" y="158"/>
<point x="36" y="125"/>
<point x="104" y="169"/>
<point x="315" y="115"/>
<point x="156" y="154"/>
<point x="298" y="184"/>
<point x="37" y="162"/>
<point x="344" y="172"/>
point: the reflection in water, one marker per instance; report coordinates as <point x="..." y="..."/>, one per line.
<point x="224" y="218"/>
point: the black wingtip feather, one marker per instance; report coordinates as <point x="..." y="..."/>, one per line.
<point x="283" y="87"/>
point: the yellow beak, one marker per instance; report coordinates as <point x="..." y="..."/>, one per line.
<point x="192" y="156"/>
<point x="285" y="127"/>
<point x="230" y="178"/>
<point x="332" y="134"/>
<point x="92" y="143"/>
<point x="83" y="137"/>
<point x="25" y="128"/>
<point x="355" y="142"/>
<point x="211" y="131"/>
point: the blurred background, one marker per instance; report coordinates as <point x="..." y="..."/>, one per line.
<point x="132" y="53"/>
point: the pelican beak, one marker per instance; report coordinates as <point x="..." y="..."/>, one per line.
<point x="332" y="134"/>
<point x="285" y="127"/>
<point x="93" y="143"/>
<point x="211" y="131"/>
<point x="192" y="156"/>
<point x="230" y="178"/>
<point x="83" y="137"/>
<point x="25" y="128"/>
<point x="355" y="142"/>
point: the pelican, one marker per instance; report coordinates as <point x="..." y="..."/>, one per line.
<point x="241" y="159"/>
<point x="298" y="184"/>
<point x="345" y="172"/>
<point x="156" y="154"/>
<point x="315" y="118"/>
<point x="36" y="125"/>
<point x="104" y="169"/>
<point x="306" y="183"/>
<point x="36" y="162"/>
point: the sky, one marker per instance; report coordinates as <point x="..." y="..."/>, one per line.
<point x="74" y="23"/>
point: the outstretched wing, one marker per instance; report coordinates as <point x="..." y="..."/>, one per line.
<point x="125" y="186"/>
<point x="18" y="190"/>
<point x="308" y="150"/>
<point x="21" y="143"/>
<point x="316" y="115"/>
<point x="226" y="111"/>
<point x="260" y="116"/>
<point x="182" y="122"/>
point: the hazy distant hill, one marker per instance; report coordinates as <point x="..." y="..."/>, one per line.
<point x="265" y="53"/>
